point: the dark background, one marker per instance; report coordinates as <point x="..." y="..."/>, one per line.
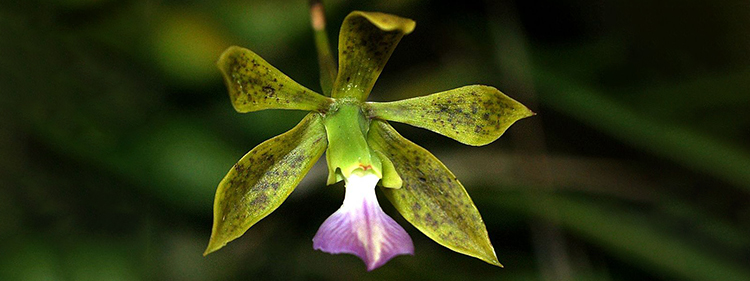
<point x="115" y="129"/>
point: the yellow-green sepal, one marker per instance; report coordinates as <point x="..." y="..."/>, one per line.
<point x="264" y="178"/>
<point x="473" y="115"/>
<point x="366" y="41"/>
<point x="431" y="198"/>
<point x="254" y="85"/>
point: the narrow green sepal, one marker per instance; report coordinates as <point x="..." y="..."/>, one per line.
<point x="431" y="198"/>
<point x="473" y="115"/>
<point x="366" y="41"/>
<point x="254" y="85"/>
<point x="264" y="178"/>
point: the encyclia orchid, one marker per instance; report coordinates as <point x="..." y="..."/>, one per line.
<point x="361" y="148"/>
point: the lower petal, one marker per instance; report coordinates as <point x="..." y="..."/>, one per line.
<point x="363" y="229"/>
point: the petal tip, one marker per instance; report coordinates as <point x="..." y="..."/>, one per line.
<point x="388" y="22"/>
<point x="487" y="254"/>
<point x="527" y="113"/>
<point x="228" y="51"/>
<point x="213" y="246"/>
<point x="493" y="261"/>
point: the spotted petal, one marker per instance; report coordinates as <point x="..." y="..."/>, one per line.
<point x="473" y="115"/>
<point x="264" y="178"/>
<point x="360" y="227"/>
<point x="255" y="85"/>
<point x="366" y="41"/>
<point x="431" y="198"/>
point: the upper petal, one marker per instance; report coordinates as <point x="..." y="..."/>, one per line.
<point x="264" y="178"/>
<point x="431" y="198"/>
<point x="254" y="84"/>
<point x="366" y="41"/>
<point x="473" y="115"/>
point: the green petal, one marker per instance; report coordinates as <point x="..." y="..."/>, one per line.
<point x="473" y="115"/>
<point x="256" y="85"/>
<point x="263" y="179"/>
<point x="366" y="41"/>
<point x="431" y="198"/>
<point x="390" y="178"/>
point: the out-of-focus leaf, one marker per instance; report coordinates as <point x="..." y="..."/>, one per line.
<point x="689" y="147"/>
<point x="254" y="84"/>
<point x="366" y="41"/>
<point x="431" y="198"/>
<point x="727" y="90"/>
<point x="264" y="178"/>
<point x="724" y="232"/>
<point x="29" y="259"/>
<point x="272" y="28"/>
<point x="628" y="235"/>
<point x="184" y="44"/>
<point x="473" y="115"/>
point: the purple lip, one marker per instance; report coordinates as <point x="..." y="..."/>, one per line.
<point x="360" y="227"/>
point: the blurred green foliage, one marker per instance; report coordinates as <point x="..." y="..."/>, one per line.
<point x="116" y="129"/>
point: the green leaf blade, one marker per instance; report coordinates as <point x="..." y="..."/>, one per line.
<point x="366" y="41"/>
<point x="254" y="85"/>
<point x="264" y="178"/>
<point x="474" y="115"/>
<point x="431" y="198"/>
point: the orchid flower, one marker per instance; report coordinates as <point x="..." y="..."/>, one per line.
<point x="361" y="148"/>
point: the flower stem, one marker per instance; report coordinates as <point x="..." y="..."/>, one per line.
<point x="328" y="69"/>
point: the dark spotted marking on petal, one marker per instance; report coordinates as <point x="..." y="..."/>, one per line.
<point x="474" y="115"/>
<point x="366" y="41"/>
<point x="264" y="178"/>
<point x="431" y="198"/>
<point x="256" y="85"/>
